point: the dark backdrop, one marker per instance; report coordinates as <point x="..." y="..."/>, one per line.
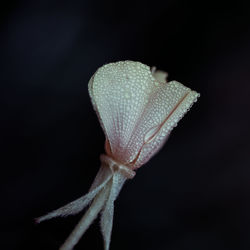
<point x="195" y="193"/>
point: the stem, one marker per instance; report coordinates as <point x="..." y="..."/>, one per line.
<point x="87" y="219"/>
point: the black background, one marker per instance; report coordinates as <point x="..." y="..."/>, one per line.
<point x="195" y="194"/>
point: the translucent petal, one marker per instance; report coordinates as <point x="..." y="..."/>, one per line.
<point x="119" y="93"/>
<point x="171" y="104"/>
<point x="164" y="109"/>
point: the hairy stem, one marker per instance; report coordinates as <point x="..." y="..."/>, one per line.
<point x="88" y="218"/>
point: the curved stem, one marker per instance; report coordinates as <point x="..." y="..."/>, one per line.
<point x="88" y="218"/>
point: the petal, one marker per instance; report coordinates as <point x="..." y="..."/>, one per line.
<point x="164" y="109"/>
<point x="169" y="106"/>
<point x="159" y="75"/>
<point x="119" y="93"/>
